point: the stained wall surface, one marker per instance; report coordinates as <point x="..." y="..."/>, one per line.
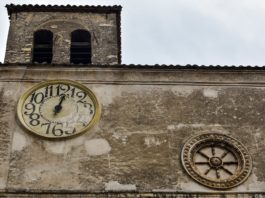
<point x="103" y="28"/>
<point x="147" y="116"/>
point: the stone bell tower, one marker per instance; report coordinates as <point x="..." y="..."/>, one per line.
<point x="64" y="34"/>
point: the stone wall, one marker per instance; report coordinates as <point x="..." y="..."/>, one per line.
<point x="103" y="29"/>
<point x="147" y="117"/>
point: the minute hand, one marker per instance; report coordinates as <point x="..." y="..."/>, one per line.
<point x="58" y="107"/>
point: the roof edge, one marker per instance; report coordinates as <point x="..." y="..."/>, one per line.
<point x="139" y="66"/>
<point x="12" y="8"/>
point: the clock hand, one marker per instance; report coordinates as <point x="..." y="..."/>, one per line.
<point x="58" y="107"/>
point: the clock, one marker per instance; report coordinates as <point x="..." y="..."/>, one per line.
<point x="58" y="109"/>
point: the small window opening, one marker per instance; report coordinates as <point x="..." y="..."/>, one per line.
<point x="80" y="47"/>
<point x="43" y="43"/>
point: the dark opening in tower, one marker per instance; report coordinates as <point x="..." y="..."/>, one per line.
<point x="80" y="47"/>
<point x="43" y="44"/>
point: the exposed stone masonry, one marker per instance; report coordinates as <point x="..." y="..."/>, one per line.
<point x="102" y="26"/>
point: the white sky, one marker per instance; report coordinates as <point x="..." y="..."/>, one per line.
<point x="224" y="32"/>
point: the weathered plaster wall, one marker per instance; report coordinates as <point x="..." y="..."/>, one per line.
<point x="147" y="115"/>
<point x="103" y="29"/>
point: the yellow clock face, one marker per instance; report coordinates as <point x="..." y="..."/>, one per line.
<point x="58" y="109"/>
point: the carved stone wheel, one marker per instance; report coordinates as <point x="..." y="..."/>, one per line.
<point x="216" y="160"/>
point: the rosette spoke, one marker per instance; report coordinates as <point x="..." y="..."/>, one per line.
<point x="204" y="155"/>
<point x="227" y="171"/>
<point x="230" y="163"/>
<point x="202" y="163"/>
<point x="224" y="154"/>
<point x="217" y="174"/>
<point x="213" y="150"/>
<point x="207" y="171"/>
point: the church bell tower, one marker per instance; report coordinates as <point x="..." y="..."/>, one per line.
<point x="64" y="34"/>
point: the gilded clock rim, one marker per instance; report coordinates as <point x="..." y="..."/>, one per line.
<point x="40" y="85"/>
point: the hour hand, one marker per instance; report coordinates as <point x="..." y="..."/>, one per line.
<point x="58" y="107"/>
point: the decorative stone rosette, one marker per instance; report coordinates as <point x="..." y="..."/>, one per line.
<point x="216" y="160"/>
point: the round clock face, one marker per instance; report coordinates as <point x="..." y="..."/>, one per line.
<point x="58" y="108"/>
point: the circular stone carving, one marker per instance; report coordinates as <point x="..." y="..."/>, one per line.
<point x="216" y="160"/>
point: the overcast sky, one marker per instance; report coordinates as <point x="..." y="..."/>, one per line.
<point x="204" y="32"/>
